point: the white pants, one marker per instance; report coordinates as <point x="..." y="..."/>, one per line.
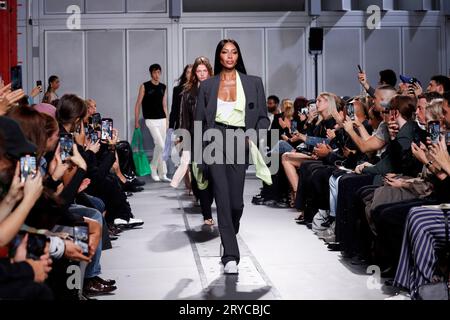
<point x="182" y="169"/>
<point x="158" y="130"/>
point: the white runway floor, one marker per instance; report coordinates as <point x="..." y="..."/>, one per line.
<point x="173" y="257"/>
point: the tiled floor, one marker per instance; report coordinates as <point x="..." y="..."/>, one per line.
<point x="174" y="257"/>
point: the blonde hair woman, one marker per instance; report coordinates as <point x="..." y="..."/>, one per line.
<point x="327" y="111"/>
<point x="288" y="116"/>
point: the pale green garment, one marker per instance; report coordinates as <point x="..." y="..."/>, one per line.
<point x="237" y="116"/>
<point x="198" y="176"/>
<point x="262" y="171"/>
<point x="237" y="119"/>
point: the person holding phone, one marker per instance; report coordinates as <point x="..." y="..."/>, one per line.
<point x="21" y="277"/>
<point x="153" y="100"/>
<point x="231" y="100"/>
<point x="53" y="85"/>
<point x="387" y="77"/>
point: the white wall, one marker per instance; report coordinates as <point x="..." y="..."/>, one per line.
<point x="109" y="57"/>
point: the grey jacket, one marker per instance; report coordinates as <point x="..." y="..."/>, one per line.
<point x="255" y="102"/>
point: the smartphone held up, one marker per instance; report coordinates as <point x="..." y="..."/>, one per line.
<point x="107" y="128"/>
<point x="28" y="167"/>
<point x="434" y="131"/>
<point x="66" y="146"/>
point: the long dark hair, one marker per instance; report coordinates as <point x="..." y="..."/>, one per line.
<point x="240" y="62"/>
<point x="192" y="82"/>
<point x="183" y="78"/>
<point x="70" y="109"/>
<point x="50" y="80"/>
<point x="33" y="125"/>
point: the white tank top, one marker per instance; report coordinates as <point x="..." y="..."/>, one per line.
<point x="224" y="108"/>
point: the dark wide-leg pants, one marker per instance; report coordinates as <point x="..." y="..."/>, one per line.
<point x="228" y="181"/>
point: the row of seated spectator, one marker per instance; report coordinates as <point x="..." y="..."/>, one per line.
<point x="63" y="199"/>
<point x="369" y="174"/>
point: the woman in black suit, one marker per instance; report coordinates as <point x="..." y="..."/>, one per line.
<point x="230" y="101"/>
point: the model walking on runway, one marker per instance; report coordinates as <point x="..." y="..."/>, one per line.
<point x="230" y="101"/>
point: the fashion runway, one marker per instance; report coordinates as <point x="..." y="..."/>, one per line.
<point x="175" y="257"/>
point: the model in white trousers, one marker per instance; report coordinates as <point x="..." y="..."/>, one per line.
<point x="158" y="128"/>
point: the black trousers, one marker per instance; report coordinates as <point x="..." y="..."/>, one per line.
<point x="347" y="215"/>
<point x="304" y="179"/>
<point x="125" y="154"/>
<point x="228" y="180"/>
<point x="227" y="172"/>
<point x="390" y="222"/>
<point x="111" y="193"/>
<point x="206" y="197"/>
<point x="279" y="188"/>
<point x="320" y="186"/>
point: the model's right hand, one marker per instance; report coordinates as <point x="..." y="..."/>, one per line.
<point x="136" y="125"/>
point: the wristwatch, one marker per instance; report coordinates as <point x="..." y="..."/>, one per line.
<point x="429" y="164"/>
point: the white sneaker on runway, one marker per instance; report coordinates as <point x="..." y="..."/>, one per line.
<point x="135" y="223"/>
<point x="129" y="224"/>
<point x="155" y="177"/>
<point x="231" y="268"/>
<point x="165" y="179"/>
<point x="120" y="222"/>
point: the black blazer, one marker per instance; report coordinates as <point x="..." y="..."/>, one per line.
<point x="255" y="102"/>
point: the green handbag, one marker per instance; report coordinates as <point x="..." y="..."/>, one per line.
<point x="139" y="157"/>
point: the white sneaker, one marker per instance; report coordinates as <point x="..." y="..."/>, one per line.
<point x="231" y="268"/>
<point x="399" y="296"/>
<point x="135" y="223"/>
<point x="129" y="224"/>
<point x="164" y="179"/>
<point x="120" y="222"/>
<point x="155" y="177"/>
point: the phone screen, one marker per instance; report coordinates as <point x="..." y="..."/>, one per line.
<point x="312" y="108"/>
<point x="304" y="111"/>
<point x="107" y="127"/>
<point x="351" y="111"/>
<point x="447" y="137"/>
<point x="94" y="136"/>
<point x="96" y="121"/>
<point x="27" y="167"/>
<point x="16" y="78"/>
<point x="81" y="238"/>
<point x="66" y="146"/>
<point x="434" y="130"/>
<point x="35" y="245"/>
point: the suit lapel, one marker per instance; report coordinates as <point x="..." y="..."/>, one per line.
<point x="249" y="103"/>
<point x="211" y="108"/>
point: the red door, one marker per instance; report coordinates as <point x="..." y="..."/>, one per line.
<point x="8" y="37"/>
<point x="8" y="49"/>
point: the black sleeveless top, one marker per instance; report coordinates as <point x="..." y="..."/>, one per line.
<point x="152" y="104"/>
